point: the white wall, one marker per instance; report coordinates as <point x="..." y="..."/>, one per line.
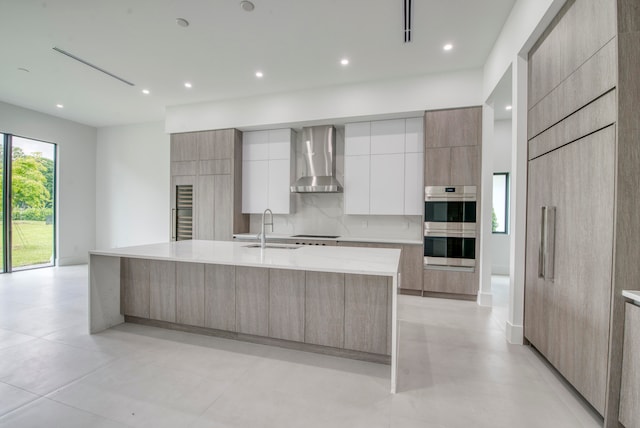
<point x="132" y="185"/>
<point x="76" y="175"/>
<point x="501" y="163"/>
<point x="526" y="22"/>
<point x="361" y="100"/>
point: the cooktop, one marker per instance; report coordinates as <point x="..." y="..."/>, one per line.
<point x="316" y="236"/>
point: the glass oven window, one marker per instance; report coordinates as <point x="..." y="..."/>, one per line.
<point x="450" y="211"/>
<point x="449" y="247"/>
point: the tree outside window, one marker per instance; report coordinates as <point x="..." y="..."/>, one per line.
<point x="500" y="214"/>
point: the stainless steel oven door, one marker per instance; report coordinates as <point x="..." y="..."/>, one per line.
<point x="453" y="250"/>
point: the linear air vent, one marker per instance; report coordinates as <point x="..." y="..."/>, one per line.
<point x="95" y="67"/>
<point x="407" y="20"/>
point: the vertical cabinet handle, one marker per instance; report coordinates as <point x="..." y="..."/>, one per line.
<point x="547" y="243"/>
<point x="542" y="243"/>
<point x="173" y="224"/>
<point x="550" y="244"/>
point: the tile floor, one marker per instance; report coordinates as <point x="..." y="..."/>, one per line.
<point x="456" y="370"/>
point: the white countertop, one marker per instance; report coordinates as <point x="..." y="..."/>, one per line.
<point x="368" y="261"/>
<point x="254" y="236"/>
<point x="632" y="294"/>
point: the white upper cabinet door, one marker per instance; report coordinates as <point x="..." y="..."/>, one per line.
<point x="255" y="186"/>
<point x="356" y="184"/>
<point x="387" y="184"/>
<point x="413" y="188"/>
<point x="414" y="136"/>
<point x="280" y="144"/>
<point x="357" y="138"/>
<point x="255" y="145"/>
<point x="279" y="182"/>
<point x="387" y="136"/>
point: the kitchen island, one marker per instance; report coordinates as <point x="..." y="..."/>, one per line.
<point x="337" y="300"/>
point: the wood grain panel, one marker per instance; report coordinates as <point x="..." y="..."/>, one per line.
<point x="594" y="116"/>
<point x="465" y="166"/>
<point x="324" y="309"/>
<point x="240" y="221"/>
<point x="184" y="147"/>
<point x="579" y="31"/>
<point x="286" y="304"/>
<point x="134" y="277"/>
<point x="216" y="144"/>
<point x="252" y="300"/>
<point x="190" y="293"/>
<point x="411" y="266"/>
<point x="204" y="206"/>
<point x="214" y="166"/>
<point x="223" y="206"/>
<point x="450" y="282"/>
<point x="594" y="78"/>
<point x="630" y="387"/>
<point x="220" y="297"/>
<point x="453" y="128"/>
<point x="184" y="168"/>
<point x="365" y="313"/>
<point x="437" y="167"/>
<point x="162" y="290"/>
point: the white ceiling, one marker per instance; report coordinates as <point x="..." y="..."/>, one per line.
<point x="296" y="43"/>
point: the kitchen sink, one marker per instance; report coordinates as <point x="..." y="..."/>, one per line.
<point x="275" y="246"/>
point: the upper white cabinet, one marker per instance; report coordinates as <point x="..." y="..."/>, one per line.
<point x="384" y="167"/>
<point x="266" y="171"/>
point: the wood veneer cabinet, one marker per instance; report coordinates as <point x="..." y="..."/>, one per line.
<point x="134" y="280"/>
<point x="584" y="159"/>
<point x="286" y="304"/>
<point x="190" y="294"/>
<point x="630" y="389"/>
<point x="211" y="162"/>
<point x="220" y="297"/>
<point x="162" y="290"/>
<point x="411" y="263"/>
<point x="569" y="265"/>
<point x="252" y="300"/>
<point x="324" y="309"/>
<point x="365" y="314"/>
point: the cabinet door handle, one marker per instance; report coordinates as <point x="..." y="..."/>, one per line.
<point x="550" y="244"/>
<point x="173" y="224"/>
<point x="542" y="243"/>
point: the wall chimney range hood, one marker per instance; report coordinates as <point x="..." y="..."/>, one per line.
<point x="318" y="150"/>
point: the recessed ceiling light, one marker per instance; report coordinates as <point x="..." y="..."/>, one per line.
<point x="187" y="84"/>
<point x="59" y="106"/>
<point x="344" y="61"/>
<point x="26" y="70"/>
<point x="259" y="74"/>
<point x="447" y="47"/>
<point x="182" y="22"/>
<point x="146" y="91"/>
<point x="247" y="6"/>
<point x="508" y="108"/>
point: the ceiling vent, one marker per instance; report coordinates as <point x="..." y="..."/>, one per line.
<point x="408" y="6"/>
<point x="95" y="67"/>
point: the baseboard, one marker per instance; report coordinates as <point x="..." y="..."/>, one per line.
<point x="438" y="295"/>
<point x="71" y="261"/>
<point x="514" y="333"/>
<point x="485" y="299"/>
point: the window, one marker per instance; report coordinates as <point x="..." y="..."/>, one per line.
<point x="27" y="203"/>
<point x="500" y="214"/>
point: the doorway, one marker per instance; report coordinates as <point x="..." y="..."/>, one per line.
<point x="501" y="227"/>
<point x="28" y="213"/>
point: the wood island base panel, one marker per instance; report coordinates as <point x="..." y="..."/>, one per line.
<point x="337" y="301"/>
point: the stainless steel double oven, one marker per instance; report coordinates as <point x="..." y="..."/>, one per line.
<point x="450" y="227"/>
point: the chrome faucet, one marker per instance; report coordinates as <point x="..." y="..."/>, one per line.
<point x="263" y="236"/>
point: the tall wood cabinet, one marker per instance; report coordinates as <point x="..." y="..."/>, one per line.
<point x="583" y="232"/>
<point x="209" y="164"/>
<point x="452" y="157"/>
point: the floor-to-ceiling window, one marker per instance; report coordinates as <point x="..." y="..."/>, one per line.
<point x="28" y="216"/>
